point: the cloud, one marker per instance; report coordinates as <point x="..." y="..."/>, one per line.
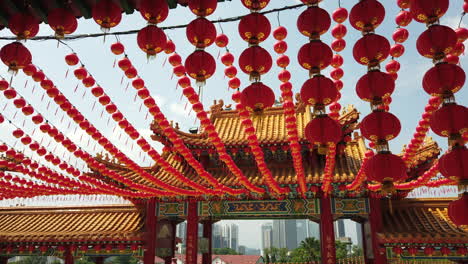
<point x="179" y="109"/>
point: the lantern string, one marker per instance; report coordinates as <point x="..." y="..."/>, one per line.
<point x="461" y="19"/>
<point x="135" y="31"/>
<point x="278" y="18"/>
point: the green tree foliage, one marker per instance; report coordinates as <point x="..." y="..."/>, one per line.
<point x="308" y="250"/>
<point x="31" y="260"/>
<point x="224" y="251"/>
<point x="84" y="260"/>
<point x="122" y="260"/>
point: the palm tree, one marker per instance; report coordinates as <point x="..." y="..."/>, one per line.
<point x="312" y="247"/>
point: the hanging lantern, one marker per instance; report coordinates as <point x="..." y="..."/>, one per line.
<point x="436" y="42"/>
<point x="403" y="18"/>
<point x="72" y="59"/>
<point x="375" y="85"/>
<point x="23" y="25"/>
<point x="319" y="91"/>
<point x="202" y="8"/>
<point x="117" y="48"/>
<point x="29" y="70"/>
<point x="151" y="40"/>
<point x="255" y="61"/>
<point x="254" y="28"/>
<point x="15" y="55"/>
<point x="339" y="31"/>
<point x="255" y="4"/>
<point x="154" y="11"/>
<point x="443" y="79"/>
<point x="18" y="133"/>
<point x="457" y="211"/>
<point x="107" y="14"/>
<point x="19" y="103"/>
<point x="462" y="34"/>
<point x="340" y="15"/>
<point x="62" y="22"/>
<point x="80" y="73"/>
<point x="222" y="40"/>
<point x="323" y="130"/>
<point x="400" y="35"/>
<point x="124" y="64"/>
<point x="234" y="83"/>
<point x="454" y="165"/>
<point x="315" y="56"/>
<point x="367" y="15"/>
<point x="397" y="50"/>
<point x="428" y="11"/>
<point x="230" y="71"/>
<point x="280" y="33"/>
<point x="201" y="32"/>
<point x="200" y="65"/>
<point x="313" y="22"/>
<point x="449" y="120"/>
<point x="385" y="168"/>
<point x="257" y="97"/>
<point x="380" y="125"/>
<point x="371" y="49"/>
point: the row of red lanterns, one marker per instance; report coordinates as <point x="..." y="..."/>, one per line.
<point x="159" y="117"/>
<point x="85" y="125"/>
<point x="205" y="122"/>
<point x="443" y="80"/>
<point x="289" y="108"/>
<point x="123" y="123"/>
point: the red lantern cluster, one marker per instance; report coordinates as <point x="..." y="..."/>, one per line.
<point x="15" y="55"/>
<point x="151" y="39"/>
<point x="376" y="87"/>
<point x="438" y="43"/>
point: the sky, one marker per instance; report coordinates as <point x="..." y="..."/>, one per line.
<point x="408" y="103"/>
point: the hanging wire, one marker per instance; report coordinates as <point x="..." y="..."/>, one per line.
<point x="131" y="32"/>
<point x="461" y="19"/>
<point x="278" y="18"/>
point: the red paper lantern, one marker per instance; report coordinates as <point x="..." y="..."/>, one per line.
<point x="88" y="81"/>
<point x="138" y="83"/>
<point x="392" y="66"/>
<point x="323" y="130"/>
<point x="200" y="65"/>
<point x="227" y="59"/>
<point x="154" y="11"/>
<point x="313" y="22"/>
<point x="28" y="110"/>
<point x="184" y="82"/>
<point x="257" y="97"/>
<point x="428" y="11"/>
<point x="280" y="47"/>
<point x="97" y="91"/>
<point x="280" y="33"/>
<point x="400" y="35"/>
<point x="315" y="56"/>
<point x="462" y="34"/>
<point x="444" y="78"/>
<point x="453" y="165"/>
<point x="72" y="59"/>
<point x="380" y="125"/>
<point x="131" y="73"/>
<point x="222" y="40"/>
<point x="319" y="91"/>
<point x="436" y="42"/>
<point x="107" y="14"/>
<point x="375" y="85"/>
<point x="170" y="47"/>
<point x="403" y="18"/>
<point x="367" y="15"/>
<point x="234" y="83"/>
<point x="15" y="55"/>
<point x="339" y="31"/>
<point x="429" y="251"/>
<point x="151" y="40"/>
<point x="338" y="45"/>
<point x="397" y="50"/>
<point x="255" y="61"/>
<point x="62" y="22"/>
<point x="230" y="71"/>
<point x="23" y="25"/>
<point x="337" y="73"/>
<point x="19" y="103"/>
<point x="254" y="28"/>
<point x="30" y="69"/>
<point x="201" y="32"/>
<point x="457" y="211"/>
<point x="385" y="168"/>
<point x="18" y="133"/>
<point x="202" y="8"/>
<point x="284" y="76"/>
<point x="371" y="49"/>
<point x="9" y="93"/>
<point x="117" y="48"/>
<point x="340" y="15"/>
<point x="80" y="73"/>
<point x="449" y="120"/>
<point x="255" y="4"/>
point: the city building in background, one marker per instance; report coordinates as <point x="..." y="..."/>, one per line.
<point x="285" y="234"/>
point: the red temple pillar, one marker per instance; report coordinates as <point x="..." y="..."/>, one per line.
<point x="150" y="235"/>
<point x="3" y="260"/>
<point x="168" y="260"/>
<point x="192" y="233"/>
<point x="375" y="222"/>
<point x="68" y="256"/>
<point x="327" y="234"/>
<point x="208" y="233"/>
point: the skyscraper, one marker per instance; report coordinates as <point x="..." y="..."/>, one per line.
<point x="285" y="234"/>
<point x="217" y="236"/>
<point x="234" y="241"/>
<point x="181" y="230"/>
<point x="340" y="228"/>
<point x="267" y="236"/>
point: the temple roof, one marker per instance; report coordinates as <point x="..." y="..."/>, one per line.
<point x="420" y="221"/>
<point x="63" y="224"/>
<point x="269" y="125"/>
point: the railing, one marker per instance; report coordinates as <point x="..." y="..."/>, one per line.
<point x="360" y="260"/>
<point x="351" y="260"/>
